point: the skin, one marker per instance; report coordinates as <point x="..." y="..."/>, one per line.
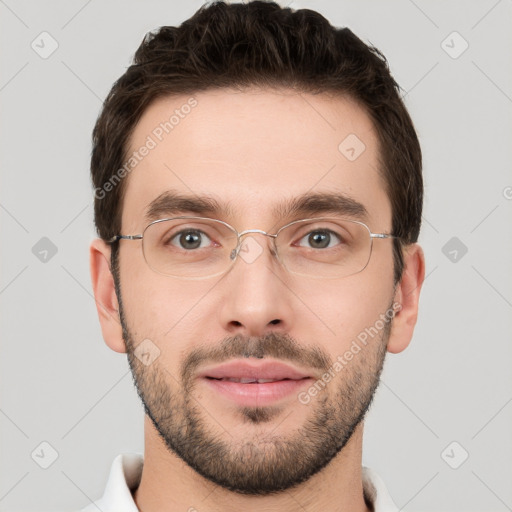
<point x="253" y="149"/>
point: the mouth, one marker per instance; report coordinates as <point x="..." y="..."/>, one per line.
<point x="254" y="383"/>
<point x="250" y="381"/>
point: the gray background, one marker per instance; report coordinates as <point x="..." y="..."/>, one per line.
<point x="61" y="385"/>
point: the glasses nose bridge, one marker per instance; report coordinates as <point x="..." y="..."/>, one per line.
<point x="240" y="236"/>
<point x="260" y="231"/>
<point x="257" y="231"/>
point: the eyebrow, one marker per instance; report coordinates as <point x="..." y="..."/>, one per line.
<point x="171" y="203"/>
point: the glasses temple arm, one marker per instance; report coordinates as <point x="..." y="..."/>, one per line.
<point x="116" y="238"/>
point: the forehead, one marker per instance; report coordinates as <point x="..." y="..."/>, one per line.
<point x="251" y="151"/>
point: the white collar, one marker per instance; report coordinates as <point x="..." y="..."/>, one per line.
<point x="126" y="473"/>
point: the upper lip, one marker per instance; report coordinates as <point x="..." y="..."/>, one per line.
<point x="254" y="370"/>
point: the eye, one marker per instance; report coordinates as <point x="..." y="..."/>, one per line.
<point x="190" y="239"/>
<point x="319" y="239"/>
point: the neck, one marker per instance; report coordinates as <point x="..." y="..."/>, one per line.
<point x="169" y="485"/>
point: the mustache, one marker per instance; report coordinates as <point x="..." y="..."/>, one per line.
<point x="278" y="346"/>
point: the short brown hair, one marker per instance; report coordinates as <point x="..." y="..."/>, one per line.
<point x="260" y="44"/>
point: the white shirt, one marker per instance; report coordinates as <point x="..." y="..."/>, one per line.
<point x="126" y="473"/>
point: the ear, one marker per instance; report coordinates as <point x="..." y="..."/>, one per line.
<point x="407" y="294"/>
<point x="105" y="295"/>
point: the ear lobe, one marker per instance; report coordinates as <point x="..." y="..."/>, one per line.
<point x="407" y="295"/>
<point x="105" y="295"/>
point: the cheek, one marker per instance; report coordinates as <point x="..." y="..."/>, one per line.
<point x="144" y="295"/>
<point x="347" y="307"/>
<point x="165" y="310"/>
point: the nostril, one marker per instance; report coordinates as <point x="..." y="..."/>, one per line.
<point x="275" y="322"/>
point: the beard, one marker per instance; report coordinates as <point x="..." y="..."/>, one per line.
<point x="263" y="462"/>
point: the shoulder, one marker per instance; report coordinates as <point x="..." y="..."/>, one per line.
<point x="376" y="493"/>
<point x="124" y="478"/>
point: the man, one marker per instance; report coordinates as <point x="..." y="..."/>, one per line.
<point x="258" y="197"/>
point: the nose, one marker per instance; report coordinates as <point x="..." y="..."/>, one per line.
<point x="256" y="298"/>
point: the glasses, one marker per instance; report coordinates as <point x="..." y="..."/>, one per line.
<point x="199" y="247"/>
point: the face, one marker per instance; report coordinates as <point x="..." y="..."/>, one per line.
<point x="253" y="153"/>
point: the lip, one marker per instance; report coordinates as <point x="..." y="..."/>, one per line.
<point x="254" y="370"/>
<point x="288" y="381"/>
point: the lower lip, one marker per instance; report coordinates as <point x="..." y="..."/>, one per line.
<point x="256" y="395"/>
